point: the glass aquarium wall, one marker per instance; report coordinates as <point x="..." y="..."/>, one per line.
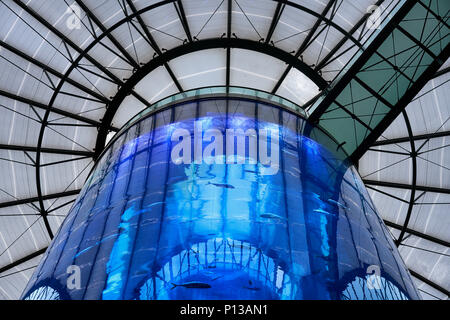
<point x="222" y="199"/>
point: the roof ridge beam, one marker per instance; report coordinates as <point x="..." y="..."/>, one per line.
<point x="391" y="90"/>
<point x="182" y="15"/>
<point x="52" y="71"/>
<point x="304" y="44"/>
<point x="116" y="43"/>
<point x="425" y="136"/>
<point x="417" y="233"/>
<point x="429" y="282"/>
<point x="154" y="45"/>
<point x="47" y="150"/>
<point x="35" y="199"/>
<point x="406" y="186"/>
<point x="360" y="22"/>
<point x="22" y="260"/>
<point x="195" y="46"/>
<point x="43" y="106"/>
<point x="275" y="19"/>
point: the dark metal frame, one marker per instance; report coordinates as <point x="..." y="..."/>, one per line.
<point x="162" y="58"/>
<point x="194" y="46"/>
<point x="425" y="136"/>
<point x="430" y="283"/>
<point x="406" y="186"/>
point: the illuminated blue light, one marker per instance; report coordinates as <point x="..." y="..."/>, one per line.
<point x="148" y="226"/>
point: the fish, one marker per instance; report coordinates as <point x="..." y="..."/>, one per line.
<point x="312" y="194"/>
<point x="243" y="246"/>
<point x="326" y="258"/>
<point x="192" y="285"/>
<point x="155" y="204"/>
<point x="221" y="185"/>
<point x="295" y="175"/>
<point x="295" y="154"/>
<point x="337" y="203"/>
<point x="96" y="244"/>
<point x="251" y="287"/>
<point x="251" y="171"/>
<point x="296" y="169"/>
<point x="321" y="211"/>
<point x="271" y="216"/>
<point x="131" y="212"/>
<point x="211" y="266"/>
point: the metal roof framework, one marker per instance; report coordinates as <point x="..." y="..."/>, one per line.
<point x="427" y="47"/>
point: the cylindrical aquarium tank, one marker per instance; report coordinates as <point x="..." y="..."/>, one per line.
<point x="222" y="197"/>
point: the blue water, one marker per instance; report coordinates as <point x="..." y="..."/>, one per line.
<point x="145" y="227"/>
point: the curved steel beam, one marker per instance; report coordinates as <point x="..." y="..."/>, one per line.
<point x="426" y="136"/>
<point x="52" y="71"/>
<point x="155" y="64"/>
<point x="154" y="45"/>
<point x="190" y="47"/>
<point x="83" y="54"/>
<point x="114" y="41"/>
<point x="430" y="283"/>
<point x="75" y="63"/>
<point x="34" y="199"/>
<point x="43" y="106"/>
<point x="22" y="260"/>
<point x="362" y="90"/>
<point x="418" y="234"/>
<point x="405" y="186"/>
<point x="70" y="152"/>
<point x="414" y="179"/>
<point x="305" y="43"/>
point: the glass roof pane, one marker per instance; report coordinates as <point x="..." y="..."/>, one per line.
<point x="129" y="107"/>
<point x="200" y="69"/>
<point x="206" y="19"/>
<point x="297" y="87"/>
<point x="20" y="125"/>
<point x="156" y="85"/>
<point x="13" y="281"/>
<point x="251" y="19"/>
<point x="293" y="27"/>
<point x="255" y="70"/>
<point x="108" y="12"/>
<point x="165" y="26"/>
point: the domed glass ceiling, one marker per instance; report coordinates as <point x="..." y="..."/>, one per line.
<point x="73" y="72"/>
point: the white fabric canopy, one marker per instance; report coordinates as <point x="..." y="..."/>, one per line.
<point x="74" y="56"/>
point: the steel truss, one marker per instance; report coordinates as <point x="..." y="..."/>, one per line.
<point x="321" y="108"/>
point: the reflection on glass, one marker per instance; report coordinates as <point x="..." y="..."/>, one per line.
<point x="379" y="289"/>
<point x="218" y="265"/>
<point x="44" y="293"/>
<point x="224" y="199"/>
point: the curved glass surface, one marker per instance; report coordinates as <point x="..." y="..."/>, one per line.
<point x="215" y="91"/>
<point x="223" y="199"/>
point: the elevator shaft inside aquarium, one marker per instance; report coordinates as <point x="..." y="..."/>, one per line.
<point x="222" y="199"/>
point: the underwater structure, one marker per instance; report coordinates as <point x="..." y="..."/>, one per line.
<point x="222" y="196"/>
